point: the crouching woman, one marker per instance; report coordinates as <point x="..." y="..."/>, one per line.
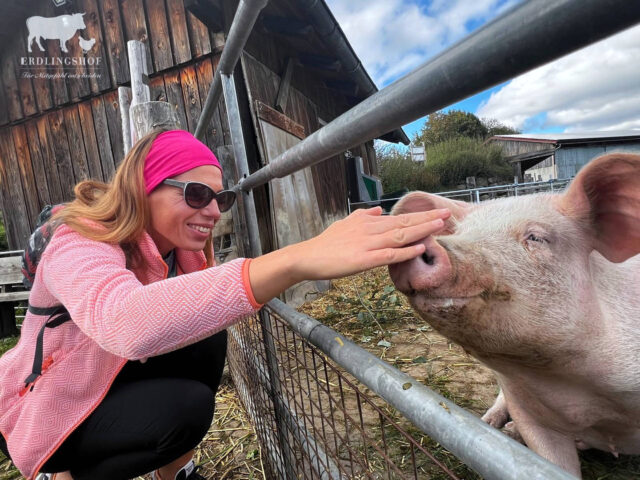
<point x="127" y="386"/>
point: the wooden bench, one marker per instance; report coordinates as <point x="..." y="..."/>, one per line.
<point x="11" y="291"/>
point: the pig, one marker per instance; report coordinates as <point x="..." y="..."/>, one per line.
<point x="62" y="28"/>
<point x="544" y="289"/>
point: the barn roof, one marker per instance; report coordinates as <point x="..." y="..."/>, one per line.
<point x="307" y="26"/>
<point x="573" y="138"/>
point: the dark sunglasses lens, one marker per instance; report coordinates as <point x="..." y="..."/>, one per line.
<point x="225" y="200"/>
<point x="198" y="195"/>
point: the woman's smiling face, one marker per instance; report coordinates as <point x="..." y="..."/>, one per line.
<point x="173" y="222"/>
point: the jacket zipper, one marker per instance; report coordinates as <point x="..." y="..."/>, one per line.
<point x="29" y="387"/>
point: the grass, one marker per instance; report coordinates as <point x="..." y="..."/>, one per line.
<point x="7" y="344"/>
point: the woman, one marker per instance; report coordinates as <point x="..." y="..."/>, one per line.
<point x="128" y="386"/>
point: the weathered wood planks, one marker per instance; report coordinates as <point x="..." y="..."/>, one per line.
<point x="172" y="37"/>
<point x="69" y="124"/>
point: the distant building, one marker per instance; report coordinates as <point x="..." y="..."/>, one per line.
<point x="539" y="157"/>
<point x="418" y="153"/>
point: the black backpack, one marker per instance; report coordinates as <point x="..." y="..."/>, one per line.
<point x="37" y="243"/>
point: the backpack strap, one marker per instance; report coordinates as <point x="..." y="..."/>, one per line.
<point x="43" y="310"/>
<point x="57" y="317"/>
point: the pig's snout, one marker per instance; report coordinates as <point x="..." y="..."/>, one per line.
<point x="430" y="270"/>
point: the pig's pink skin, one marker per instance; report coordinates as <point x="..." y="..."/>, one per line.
<point x="517" y="282"/>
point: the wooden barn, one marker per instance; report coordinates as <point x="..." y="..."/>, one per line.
<point x="550" y="156"/>
<point x="59" y="113"/>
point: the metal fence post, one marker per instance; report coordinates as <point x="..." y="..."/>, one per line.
<point x="477" y="196"/>
<point x="243" y="21"/>
<point x="240" y="154"/>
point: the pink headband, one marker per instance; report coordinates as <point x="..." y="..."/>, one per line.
<point x="172" y="153"/>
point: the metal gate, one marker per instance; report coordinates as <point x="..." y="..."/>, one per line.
<point x="301" y="382"/>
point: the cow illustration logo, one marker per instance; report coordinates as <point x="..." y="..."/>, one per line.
<point x="62" y="28"/>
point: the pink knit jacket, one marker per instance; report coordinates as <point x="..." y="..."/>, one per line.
<point x="118" y="315"/>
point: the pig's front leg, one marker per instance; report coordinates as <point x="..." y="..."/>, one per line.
<point x="498" y="415"/>
<point x="556" y="447"/>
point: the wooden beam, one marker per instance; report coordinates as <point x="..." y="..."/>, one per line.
<point x="140" y="91"/>
<point x="124" y="101"/>
<point x="149" y="115"/>
<point x="207" y="13"/>
<point x="269" y="115"/>
<point x="285" y="83"/>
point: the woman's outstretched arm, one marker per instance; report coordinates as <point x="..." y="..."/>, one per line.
<point x="363" y="240"/>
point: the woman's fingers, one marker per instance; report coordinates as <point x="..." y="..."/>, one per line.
<point x="404" y="236"/>
<point x="406" y="220"/>
<point x="388" y="256"/>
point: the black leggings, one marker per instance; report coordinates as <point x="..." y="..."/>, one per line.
<point x="154" y="413"/>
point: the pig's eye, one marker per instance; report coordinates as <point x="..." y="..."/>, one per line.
<point x="535" y="238"/>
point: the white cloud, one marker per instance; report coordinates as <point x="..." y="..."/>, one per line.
<point x="597" y="88"/>
<point x="393" y="37"/>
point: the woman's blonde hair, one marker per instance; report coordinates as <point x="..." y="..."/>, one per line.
<point x="118" y="212"/>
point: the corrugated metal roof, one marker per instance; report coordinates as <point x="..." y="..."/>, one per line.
<point x="577" y="137"/>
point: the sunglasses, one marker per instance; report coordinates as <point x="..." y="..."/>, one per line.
<point x="198" y="195"/>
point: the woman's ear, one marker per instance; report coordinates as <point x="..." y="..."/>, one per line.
<point x="606" y="194"/>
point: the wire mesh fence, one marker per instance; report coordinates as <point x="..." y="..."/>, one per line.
<point x="333" y="428"/>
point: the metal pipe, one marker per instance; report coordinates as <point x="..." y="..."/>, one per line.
<point x="251" y="219"/>
<point x="242" y="165"/>
<point x="523" y="38"/>
<point x="241" y="27"/>
<point x="484" y="448"/>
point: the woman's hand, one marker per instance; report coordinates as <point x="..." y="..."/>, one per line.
<point x="366" y="239"/>
<point x="363" y="240"/>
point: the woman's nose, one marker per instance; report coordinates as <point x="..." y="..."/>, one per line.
<point x="212" y="210"/>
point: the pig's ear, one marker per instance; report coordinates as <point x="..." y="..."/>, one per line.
<point x="606" y="192"/>
<point x="422" y="202"/>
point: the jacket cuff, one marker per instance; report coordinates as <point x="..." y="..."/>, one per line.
<point x="247" y="285"/>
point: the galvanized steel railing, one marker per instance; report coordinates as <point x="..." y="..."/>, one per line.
<point x="523" y="38"/>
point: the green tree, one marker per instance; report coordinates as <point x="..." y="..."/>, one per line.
<point x="453" y="160"/>
<point x="441" y="126"/>
<point x="397" y="171"/>
<point x="4" y="245"/>
<point x="494" y="127"/>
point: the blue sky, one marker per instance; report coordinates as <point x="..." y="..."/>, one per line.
<point x="597" y="88"/>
